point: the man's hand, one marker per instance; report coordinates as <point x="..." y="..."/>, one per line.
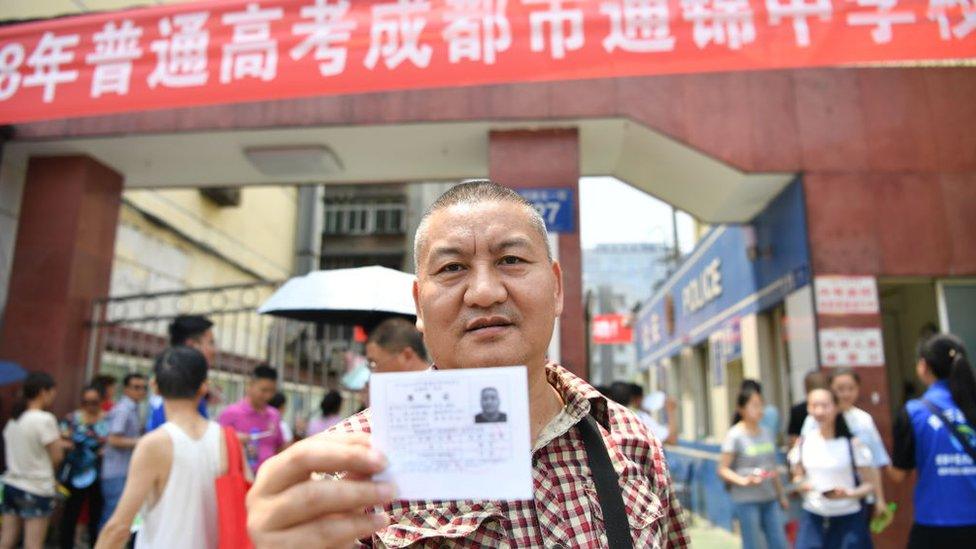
<point x="286" y="508"/>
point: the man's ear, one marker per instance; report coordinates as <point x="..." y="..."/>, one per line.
<point x="203" y="390"/>
<point x="416" y="304"/>
<point x="557" y="272"/>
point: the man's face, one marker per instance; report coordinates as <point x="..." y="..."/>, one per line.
<point x="260" y="391"/>
<point x="207" y="346"/>
<point x="486" y="292"/>
<point x="383" y="361"/>
<point x="490" y="401"/>
<point x="136" y="388"/>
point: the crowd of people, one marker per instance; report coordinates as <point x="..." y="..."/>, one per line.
<point x="490" y="304"/>
<point x="837" y="459"/>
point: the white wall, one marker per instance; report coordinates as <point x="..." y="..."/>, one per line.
<point x="801" y="338"/>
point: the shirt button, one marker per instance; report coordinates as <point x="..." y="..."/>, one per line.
<point x="559" y="546"/>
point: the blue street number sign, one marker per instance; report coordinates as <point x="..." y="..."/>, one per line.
<point x="555" y="205"/>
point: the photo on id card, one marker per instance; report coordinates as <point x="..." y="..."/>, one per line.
<point x="454" y="434"/>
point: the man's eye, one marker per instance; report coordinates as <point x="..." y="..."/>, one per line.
<point x="511" y="260"/>
<point x="451" y="268"/>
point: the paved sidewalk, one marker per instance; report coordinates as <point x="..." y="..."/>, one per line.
<point x="706" y="536"/>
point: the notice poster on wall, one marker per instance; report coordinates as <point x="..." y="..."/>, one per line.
<point x="846" y="295"/>
<point x="851" y="347"/>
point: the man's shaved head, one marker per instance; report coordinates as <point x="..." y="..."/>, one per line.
<point x="477" y="191"/>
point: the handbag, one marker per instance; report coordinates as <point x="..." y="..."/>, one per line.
<point x="231" y="488"/>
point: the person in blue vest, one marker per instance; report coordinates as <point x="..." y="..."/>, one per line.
<point x="935" y="435"/>
<point x="192" y="331"/>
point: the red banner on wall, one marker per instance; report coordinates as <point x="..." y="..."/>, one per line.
<point x="230" y="51"/>
<point x="612" y="329"/>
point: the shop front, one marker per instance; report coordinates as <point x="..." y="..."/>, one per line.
<point x="740" y="306"/>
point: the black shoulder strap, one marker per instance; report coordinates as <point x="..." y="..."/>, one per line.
<point x="950" y="426"/>
<point x="607" y="485"/>
<point x="850" y="453"/>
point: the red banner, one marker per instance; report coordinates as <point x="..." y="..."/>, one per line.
<point x="230" y="51"/>
<point x="612" y="329"/>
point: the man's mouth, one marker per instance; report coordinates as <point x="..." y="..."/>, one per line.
<point x="487" y="323"/>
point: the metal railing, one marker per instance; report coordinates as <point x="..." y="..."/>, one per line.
<point x="127" y="332"/>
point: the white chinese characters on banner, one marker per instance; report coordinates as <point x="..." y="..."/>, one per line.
<point x="799" y="11"/>
<point x="181" y="55"/>
<point x="46" y="60"/>
<point x="116" y="47"/>
<point x="850" y="347"/>
<point x="846" y="295"/>
<point x="251" y="52"/>
<point x="395" y="34"/>
<point x="724" y="22"/>
<point x="11" y="57"/>
<point x="565" y="27"/>
<point x="327" y="33"/>
<point x="476" y="29"/>
<point x="883" y="18"/>
<point x="638" y="26"/>
<point x="940" y="11"/>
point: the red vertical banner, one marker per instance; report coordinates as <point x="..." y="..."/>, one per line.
<point x="223" y="51"/>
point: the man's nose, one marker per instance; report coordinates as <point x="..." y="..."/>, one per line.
<point x="485" y="288"/>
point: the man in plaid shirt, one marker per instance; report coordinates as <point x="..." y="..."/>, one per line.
<point x="487" y="294"/>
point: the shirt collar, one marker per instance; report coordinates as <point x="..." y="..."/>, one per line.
<point x="579" y="397"/>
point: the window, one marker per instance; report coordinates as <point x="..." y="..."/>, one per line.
<point x="362" y="217"/>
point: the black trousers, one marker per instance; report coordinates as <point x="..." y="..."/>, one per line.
<point x="938" y="537"/>
<point x="72" y="509"/>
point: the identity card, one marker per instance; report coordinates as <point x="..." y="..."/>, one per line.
<point x="454" y="434"/>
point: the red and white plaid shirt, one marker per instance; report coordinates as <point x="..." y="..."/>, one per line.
<point x="565" y="512"/>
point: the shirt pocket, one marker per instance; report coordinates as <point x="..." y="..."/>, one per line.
<point x="643" y="507"/>
<point x="454" y="524"/>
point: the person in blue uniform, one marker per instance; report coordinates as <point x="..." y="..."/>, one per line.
<point x="935" y="436"/>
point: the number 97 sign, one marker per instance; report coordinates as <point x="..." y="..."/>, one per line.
<point x="556" y="206"/>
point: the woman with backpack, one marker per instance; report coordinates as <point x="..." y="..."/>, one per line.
<point x="829" y="468"/>
<point x="87" y="428"/>
<point x="936" y="434"/>
<point x="748" y="466"/>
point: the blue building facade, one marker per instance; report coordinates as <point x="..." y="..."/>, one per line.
<point x="739" y="306"/>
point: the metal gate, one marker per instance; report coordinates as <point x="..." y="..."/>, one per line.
<point x="127" y="332"/>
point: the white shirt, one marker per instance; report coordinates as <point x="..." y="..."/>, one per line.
<point x="661" y="432"/>
<point x="286" y="432"/>
<point x="862" y="426"/>
<point x="28" y="463"/>
<point x="827" y="464"/>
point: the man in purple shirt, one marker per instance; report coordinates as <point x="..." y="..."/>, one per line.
<point x="256" y="423"/>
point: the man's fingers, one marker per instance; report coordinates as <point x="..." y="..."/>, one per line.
<point x="314" y="498"/>
<point x="327" y="453"/>
<point x="337" y="530"/>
